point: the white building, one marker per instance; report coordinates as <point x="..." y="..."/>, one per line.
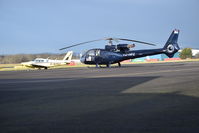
<point x="195" y="51"/>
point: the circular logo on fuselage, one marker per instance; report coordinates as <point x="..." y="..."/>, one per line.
<point x="170" y="48"/>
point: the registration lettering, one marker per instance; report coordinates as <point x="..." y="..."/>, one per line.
<point x="129" y="54"/>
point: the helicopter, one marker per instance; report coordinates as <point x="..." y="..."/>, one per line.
<point x="112" y="54"/>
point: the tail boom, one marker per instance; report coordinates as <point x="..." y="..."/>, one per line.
<point x="170" y="48"/>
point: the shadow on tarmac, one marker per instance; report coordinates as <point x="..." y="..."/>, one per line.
<point x="93" y="105"/>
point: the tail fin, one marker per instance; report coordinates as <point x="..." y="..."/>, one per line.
<point x="68" y="55"/>
<point x="171" y="46"/>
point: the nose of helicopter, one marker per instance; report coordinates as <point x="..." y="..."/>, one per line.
<point x="82" y="59"/>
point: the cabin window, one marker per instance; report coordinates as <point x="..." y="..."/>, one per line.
<point x="97" y="52"/>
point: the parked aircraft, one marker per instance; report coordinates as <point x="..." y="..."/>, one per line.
<point x="46" y="63"/>
<point x="120" y="52"/>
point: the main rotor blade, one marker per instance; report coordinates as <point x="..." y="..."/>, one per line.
<point x="80" y="44"/>
<point x="136" y="41"/>
<point x="110" y="39"/>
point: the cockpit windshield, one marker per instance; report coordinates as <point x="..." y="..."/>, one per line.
<point x="91" y="53"/>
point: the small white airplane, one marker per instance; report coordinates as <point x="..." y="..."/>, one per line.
<point x="46" y="63"/>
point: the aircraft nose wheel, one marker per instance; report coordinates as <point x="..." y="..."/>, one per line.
<point x="97" y="65"/>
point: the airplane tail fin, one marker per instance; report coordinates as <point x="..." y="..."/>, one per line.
<point x="68" y="55"/>
<point x="171" y="46"/>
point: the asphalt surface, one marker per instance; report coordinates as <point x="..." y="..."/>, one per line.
<point x="134" y="98"/>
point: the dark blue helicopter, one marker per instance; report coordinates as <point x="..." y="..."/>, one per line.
<point x="117" y="53"/>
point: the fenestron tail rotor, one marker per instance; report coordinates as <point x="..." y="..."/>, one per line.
<point x="110" y="42"/>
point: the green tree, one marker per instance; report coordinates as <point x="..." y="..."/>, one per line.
<point x="186" y="53"/>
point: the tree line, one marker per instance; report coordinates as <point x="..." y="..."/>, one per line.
<point x="18" y="58"/>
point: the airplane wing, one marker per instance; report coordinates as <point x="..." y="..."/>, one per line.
<point x="39" y="66"/>
<point x="34" y="65"/>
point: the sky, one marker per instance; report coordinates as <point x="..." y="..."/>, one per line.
<point x="45" y="26"/>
